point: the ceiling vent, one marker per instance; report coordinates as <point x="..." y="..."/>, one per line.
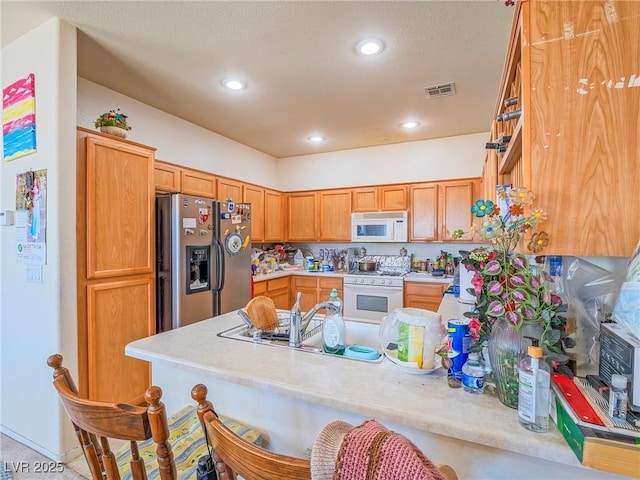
<point x="442" y="90"/>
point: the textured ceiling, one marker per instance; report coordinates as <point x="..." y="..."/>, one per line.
<point x="299" y="62"/>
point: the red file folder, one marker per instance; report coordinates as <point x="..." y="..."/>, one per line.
<point x="575" y="399"/>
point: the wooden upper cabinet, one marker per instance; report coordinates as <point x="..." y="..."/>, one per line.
<point x="335" y="215"/>
<point x="274" y="218"/>
<point x="388" y="198"/>
<point x="577" y="139"/>
<point x="255" y="196"/>
<point x="364" y="199"/>
<point x="195" y="182"/>
<point x="167" y="177"/>
<point x="119" y="208"/>
<point x="423" y="208"/>
<point x="393" y="198"/>
<point x="229" y="189"/>
<point x="302" y="211"/>
<point x="455" y="199"/>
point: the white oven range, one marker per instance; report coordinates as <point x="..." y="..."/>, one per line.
<point x="371" y="296"/>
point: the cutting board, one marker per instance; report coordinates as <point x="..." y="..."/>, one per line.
<point x="262" y="312"/>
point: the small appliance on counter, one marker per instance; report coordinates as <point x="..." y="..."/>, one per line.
<point x="620" y="354"/>
<point x="465" y="283"/>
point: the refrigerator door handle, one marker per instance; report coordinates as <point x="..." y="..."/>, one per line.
<point x="220" y="268"/>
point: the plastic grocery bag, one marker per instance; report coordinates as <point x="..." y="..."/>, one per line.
<point x="627" y="309"/>
<point x="414" y="334"/>
<point x="591" y="291"/>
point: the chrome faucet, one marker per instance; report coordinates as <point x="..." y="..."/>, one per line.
<point x="298" y="324"/>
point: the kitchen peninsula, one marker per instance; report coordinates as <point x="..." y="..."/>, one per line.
<point x="290" y="395"/>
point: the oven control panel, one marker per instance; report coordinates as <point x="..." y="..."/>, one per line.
<point x="374" y="280"/>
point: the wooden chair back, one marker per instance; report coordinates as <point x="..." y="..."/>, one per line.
<point x="97" y="422"/>
<point x="233" y="455"/>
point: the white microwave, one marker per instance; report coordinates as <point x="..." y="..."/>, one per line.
<point x="379" y="227"/>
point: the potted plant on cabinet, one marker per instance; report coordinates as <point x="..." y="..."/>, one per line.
<point x="114" y="123"/>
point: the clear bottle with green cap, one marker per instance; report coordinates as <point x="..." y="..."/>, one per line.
<point x="334" y="330"/>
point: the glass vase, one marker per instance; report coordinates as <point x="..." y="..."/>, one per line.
<point x="506" y="347"/>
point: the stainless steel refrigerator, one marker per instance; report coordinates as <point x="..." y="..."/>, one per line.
<point x="203" y="264"/>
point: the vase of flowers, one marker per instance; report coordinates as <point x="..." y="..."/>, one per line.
<point x="513" y="307"/>
<point x="114" y="123"/>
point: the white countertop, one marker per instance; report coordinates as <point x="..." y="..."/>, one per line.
<point x="410" y="277"/>
<point x="423" y="402"/>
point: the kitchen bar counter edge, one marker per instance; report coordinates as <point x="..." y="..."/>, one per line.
<point x="291" y="395"/>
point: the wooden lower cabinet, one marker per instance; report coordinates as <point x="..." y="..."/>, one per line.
<point x="313" y="289"/>
<point x="118" y="313"/>
<point x="276" y="289"/>
<point x="424" y="295"/>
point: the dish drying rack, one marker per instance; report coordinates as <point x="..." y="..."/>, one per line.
<point x="315" y="327"/>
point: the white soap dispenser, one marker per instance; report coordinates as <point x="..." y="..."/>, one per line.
<point x="334" y="330"/>
<point x="534" y="379"/>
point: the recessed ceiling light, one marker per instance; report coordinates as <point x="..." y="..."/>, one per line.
<point x="410" y="124"/>
<point x="234" y="84"/>
<point x="316" y="138"/>
<point x="370" y="46"/>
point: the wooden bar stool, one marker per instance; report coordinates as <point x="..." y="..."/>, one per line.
<point x="97" y="422"/>
<point x="235" y="456"/>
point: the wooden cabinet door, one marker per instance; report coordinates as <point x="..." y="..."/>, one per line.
<point x="326" y="284"/>
<point x="335" y="215"/>
<point x="456" y="198"/>
<point x="302" y="216"/>
<point x="308" y="286"/>
<point x="118" y="312"/>
<point x="424" y="295"/>
<point x="364" y="199"/>
<point x="278" y="291"/>
<point x="229" y="189"/>
<point x="119" y="203"/>
<point x="255" y="196"/>
<point x="167" y="177"/>
<point x="198" y="183"/>
<point x="260" y="288"/>
<point x="115" y="194"/>
<point x="274" y="218"/>
<point x="393" y="198"/>
<point x="423" y="218"/>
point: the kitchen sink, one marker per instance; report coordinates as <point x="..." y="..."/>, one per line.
<point x="358" y="333"/>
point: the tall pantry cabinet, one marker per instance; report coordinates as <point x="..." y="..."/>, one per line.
<point x="115" y="252"/>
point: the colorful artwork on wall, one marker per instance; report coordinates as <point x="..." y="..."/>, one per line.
<point x="31" y="217"/>
<point x="19" y="118"/>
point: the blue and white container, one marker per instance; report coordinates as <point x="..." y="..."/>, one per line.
<point x="458" y="346"/>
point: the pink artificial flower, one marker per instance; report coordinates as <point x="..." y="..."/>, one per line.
<point x="474" y="328"/>
<point x="477" y="281"/>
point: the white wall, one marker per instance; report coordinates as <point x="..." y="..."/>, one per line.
<point x="177" y="141"/>
<point x="37" y="320"/>
<point x="186" y="144"/>
<point x="442" y="158"/>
